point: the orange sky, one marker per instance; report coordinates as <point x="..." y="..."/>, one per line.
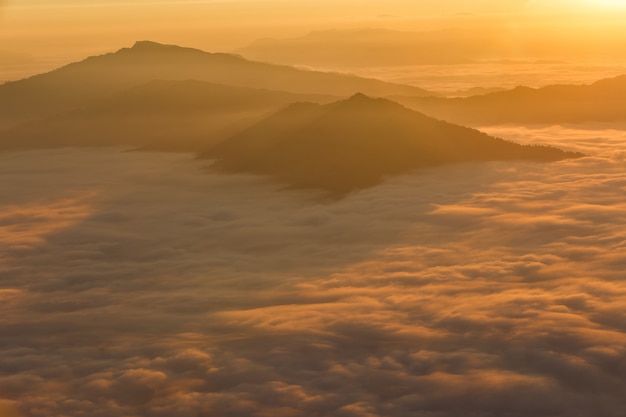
<point x="42" y="33"/>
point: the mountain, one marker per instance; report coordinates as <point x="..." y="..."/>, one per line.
<point x="162" y="115"/>
<point x="602" y="101"/>
<point x="458" y="44"/>
<point x="374" y="47"/>
<point x="76" y="84"/>
<point x="355" y="143"/>
<point x="475" y="91"/>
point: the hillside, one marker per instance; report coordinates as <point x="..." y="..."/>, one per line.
<point x="355" y="143"/>
<point x="602" y="101"/>
<point x="163" y="115"/>
<point x="78" y="83"/>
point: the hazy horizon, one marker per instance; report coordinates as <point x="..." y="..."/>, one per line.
<point x="354" y="211"/>
<point x="38" y="36"/>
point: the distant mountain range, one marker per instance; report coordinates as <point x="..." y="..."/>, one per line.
<point x="78" y="84"/>
<point x="376" y="47"/>
<point x="602" y="101"/>
<point x="355" y="143"/>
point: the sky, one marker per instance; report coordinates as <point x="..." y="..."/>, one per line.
<point x="37" y="34"/>
<point x="139" y="284"/>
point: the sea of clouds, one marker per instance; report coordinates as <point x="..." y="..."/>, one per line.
<point x="136" y="284"/>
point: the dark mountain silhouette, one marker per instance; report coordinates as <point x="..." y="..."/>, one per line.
<point x="96" y="77"/>
<point x="354" y="143"/>
<point x="160" y="115"/>
<point x="602" y="101"/>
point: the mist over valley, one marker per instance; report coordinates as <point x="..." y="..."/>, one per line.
<point x="302" y="209"/>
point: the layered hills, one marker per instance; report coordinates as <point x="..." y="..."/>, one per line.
<point x="77" y="84"/>
<point x="249" y="117"/>
<point x="159" y="115"/>
<point x="355" y="143"/>
<point x="602" y="101"/>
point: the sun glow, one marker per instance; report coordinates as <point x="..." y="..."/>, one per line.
<point x="605" y="4"/>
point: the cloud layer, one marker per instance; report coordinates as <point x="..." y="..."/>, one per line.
<point x="132" y="284"/>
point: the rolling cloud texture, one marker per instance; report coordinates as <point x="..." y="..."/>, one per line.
<point x="133" y="284"/>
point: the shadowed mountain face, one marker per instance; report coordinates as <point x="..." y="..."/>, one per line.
<point x="161" y="115"/>
<point x="354" y="143"/>
<point x="602" y="101"/>
<point x="96" y="77"/>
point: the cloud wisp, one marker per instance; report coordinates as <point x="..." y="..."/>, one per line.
<point x="146" y="288"/>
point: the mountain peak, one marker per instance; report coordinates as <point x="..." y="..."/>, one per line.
<point x="357" y="142"/>
<point x="149" y="45"/>
<point x="361" y="98"/>
<point x="362" y="102"/>
<point x="96" y="77"/>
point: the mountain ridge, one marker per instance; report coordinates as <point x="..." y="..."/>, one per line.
<point x="160" y="114"/>
<point x="95" y="77"/>
<point x="356" y="142"/>
<point x="370" y="47"/>
<point x="601" y="101"/>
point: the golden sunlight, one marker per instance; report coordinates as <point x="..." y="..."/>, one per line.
<point x="312" y="208"/>
<point x="604" y="4"/>
<point x="26" y="226"/>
